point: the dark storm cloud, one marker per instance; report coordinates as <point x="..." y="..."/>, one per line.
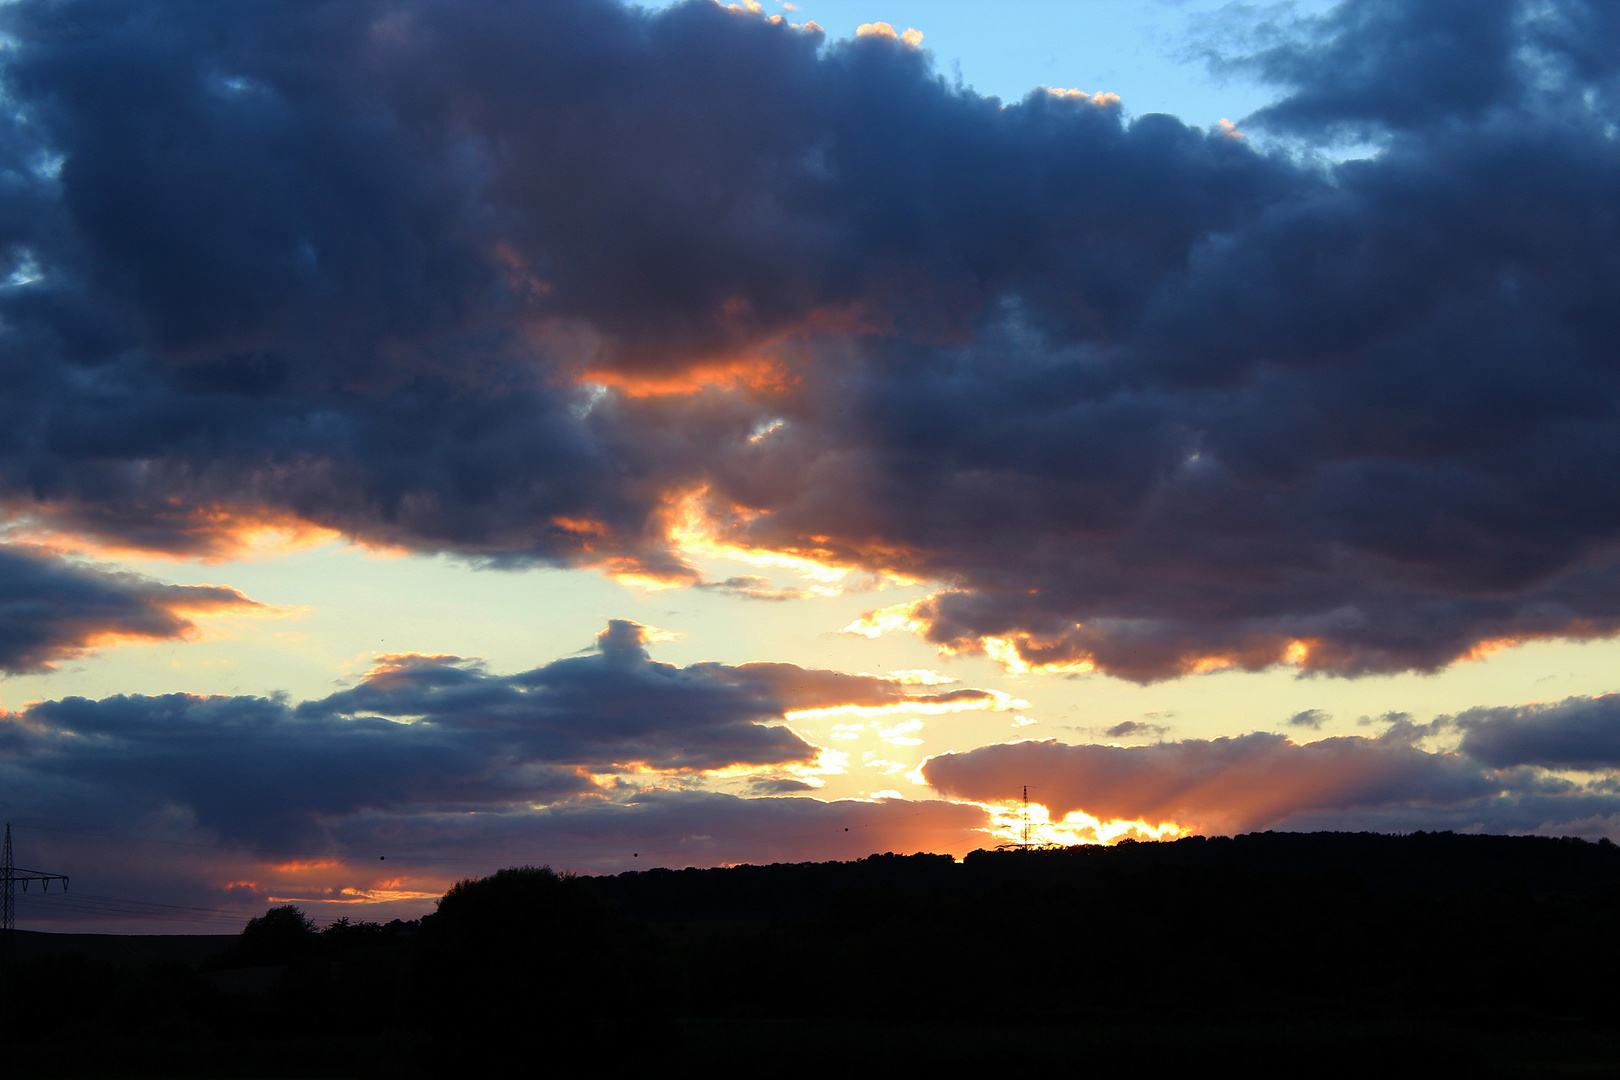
<point x="1368" y="67"/>
<point x="421" y="734"/>
<point x="345" y="260"/>
<point x="1381" y="64"/>
<point x="1372" y="428"/>
<point x="1576" y="733"/>
<point x="53" y="609"/>
<point x="1143" y="397"/>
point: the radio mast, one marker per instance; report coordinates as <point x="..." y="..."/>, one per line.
<point x="1026" y="818"/>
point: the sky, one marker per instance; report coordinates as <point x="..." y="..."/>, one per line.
<point x="441" y="436"/>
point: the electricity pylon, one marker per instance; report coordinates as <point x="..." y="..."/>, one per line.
<point x="10" y="874"/>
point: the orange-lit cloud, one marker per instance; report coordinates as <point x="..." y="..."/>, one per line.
<point x="649" y="576"/>
<point x="1220" y="785"/>
<point x="756" y="374"/>
<point x="176" y="530"/>
<point x="348" y="894"/>
<point x="595" y="545"/>
<point x="698" y="527"/>
<point x="1102" y="100"/>
<point x="902" y="617"/>
<point x="911" y="36"/>
<point x="304" y="866"/>
<point x="1018" y="653"/>
<point x="581" y="527"/>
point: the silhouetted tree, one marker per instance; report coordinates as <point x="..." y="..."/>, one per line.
<point x="529" y="954"/>
<point x="279" y="936"/>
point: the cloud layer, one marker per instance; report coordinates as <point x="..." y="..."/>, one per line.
<point x="426" y="735"/>
<point x="578" y="283"/>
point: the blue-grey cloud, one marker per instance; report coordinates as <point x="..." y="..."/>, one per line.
<point x="1131" y="729"/>
<point x="1368" y="68"/>
<point x="1576" y="733"/>
<point x="1309" y="718"/>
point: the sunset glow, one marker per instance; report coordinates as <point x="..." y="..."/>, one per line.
<point x="697" y="532"/>
<point x="213" y="535"/>
<point x="572" y="433"/>
<point x="755" y="374"/>
<point x="1076" y="827"/>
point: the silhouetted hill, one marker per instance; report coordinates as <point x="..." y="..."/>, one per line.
<point x="122" y="948"/>
<point x="1426" y="863"/>
<point x="1311" y="927"/>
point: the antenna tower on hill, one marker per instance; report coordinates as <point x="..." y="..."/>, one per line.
<point x="10" y="874"/>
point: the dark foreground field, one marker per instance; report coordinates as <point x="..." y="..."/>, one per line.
<point x="1320" y="955"/>
<point x="851" y="1048"/>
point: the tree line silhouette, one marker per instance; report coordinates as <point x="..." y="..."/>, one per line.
<point x="1425" y="950"/>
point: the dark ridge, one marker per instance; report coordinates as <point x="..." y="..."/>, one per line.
<point x="1433" y="864"/>
<point x="118" y="948"/>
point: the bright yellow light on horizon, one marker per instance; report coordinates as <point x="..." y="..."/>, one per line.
<point x="1076" y="828"/>
<point x="993" y="701"/>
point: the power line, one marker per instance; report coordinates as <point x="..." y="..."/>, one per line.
<point x="133" y="910"/>
<point x="186" y="909"/>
